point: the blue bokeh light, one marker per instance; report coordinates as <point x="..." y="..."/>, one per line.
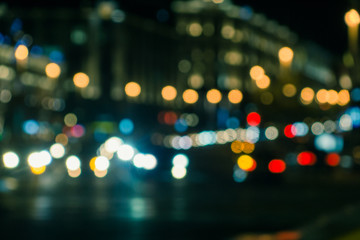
<point x="232" y="122"/>
<point x="126" y="126"/>
<point x="180" y="125"/>
<point x="329" y="143"/>
<point x="31" y="127"/>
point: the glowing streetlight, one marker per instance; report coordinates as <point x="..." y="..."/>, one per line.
<point x="286" y="56"/>
<point x="352" y="20"/>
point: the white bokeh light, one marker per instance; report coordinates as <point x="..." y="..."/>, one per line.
<point x="73" y="163"/>
<point x="150" y="162"/>
<point x="57" y="150"/>
<point x="102" y="163"/>
<point x="10" y="160"/>
<point x="125" y="152"/>
<point x="178" y="172"/>
<point x="112" y="144"/>
<point x="180" y="160"/>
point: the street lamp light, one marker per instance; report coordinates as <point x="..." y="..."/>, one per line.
<point x="352" y="20"/>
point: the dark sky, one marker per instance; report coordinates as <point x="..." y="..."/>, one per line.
<point x="319" y="21"/>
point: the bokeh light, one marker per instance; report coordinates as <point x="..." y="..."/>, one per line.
<point x="21" y="52"/>
<point x="126" y="126"/>
<point x="178" y="172"/>
<point x="286" y="55"/>
<point x="236" y="146"/>
<point x="52" y="70"/>
<point x="70" y="119"/>
<point x="180" y="160"/>
<point x="10" y="160"/>
<point x="125" y="152"/>
<point x="169" y="93"/>
<point x="213" y="96"/>
<point x="196" y="81"/>
<point x="343" y="97"/>
<point x="102" y="163"/>
<point x="277" y="166"/>
<point x="62" y="139"/>
<point x="245" y="162"/>
<point x="31" y="127"/>
<point x="195" y="29"/>
<point x="100" y="174"/>
<point x="307" y="95"/>
<point x="257" y="72"/>
<point x="72" y="162"/>
<point x="332" y="159"/>
<point x="81" y="80"/>
<point x="322" y="96"/>
<point x="38" y="170"/>
<point x="271" y="133"/>
<point x="352" y="18"/>
<point x="306" y="158"/>
<point x="263" y="82"/>
<point x="253" y="119"/>
<point x="132" y="89"/>
<point x="235" y="96"/>
<point x="190" y="96"/>
<point x="74" y="173"/>
<point x="289" y="90"/>
<point x="112" y="144"/>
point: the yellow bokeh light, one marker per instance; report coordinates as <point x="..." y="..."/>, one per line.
<point x="343" y="97"/>
<point x="92" y="163"/>
<point x="263" y="82"/>
<point x="52" y="70"/>
<point x="70" y="119"/>
<point x="214" y="96"/>
<point x="196" y="81"/>
<point x="245" y="162"/>
<point x="307" y="95"/>
<point x="352" y="18"/>
<point x="248" y="147"/>
<point x="81" y="80"/>
<point x="233" y="58"/>
<point x="38" y="170"/>
<point x="132" y="89"/>
<point x="190" y="96"/>
<point x="169" y="93"/>
<point x="62" y="139"/>
<point x="286" y="55"/>
<point x="257" y="72"/>
<point x="217" y="1"/>
<point x="289" y="90"/>
<point x="195" y="29"/>
<point x="332" y="97"/>
<point x="236" y="146"/>
<point x="235" y="96"/>
<point x="322" y="96"/>
<point x="100" y="174"/>
<point x="74" y="173"/>
<point x="21" y="52"/>
<point x="228" y="31"/>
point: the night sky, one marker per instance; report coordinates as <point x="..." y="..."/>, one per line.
<point x="318" y="21"/>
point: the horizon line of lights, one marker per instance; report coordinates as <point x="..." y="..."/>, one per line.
<point x="213" y="96"/>
<point x="347" y="121"/>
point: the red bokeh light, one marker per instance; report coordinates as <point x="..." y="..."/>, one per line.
<point x="253" y="167"/>
<point x="277" y="166"/>
<point x="253" y="119"/>
<point x="289" y="131"/>
<point x="170" y="118"/>
<point x="332" y="159"/>
<point x="306" y="158"/>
